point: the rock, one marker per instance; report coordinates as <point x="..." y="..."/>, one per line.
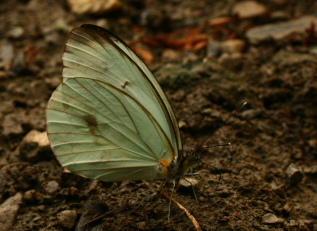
<point x="182" y="124"/>
<point x="34" y="145"/>
<point x="90" y="211"/>
<point x="270" y="218"/>
<point x="279" y="31"/>
<point x="6" y="55"/>
<point x="154" y="19"/>
<point x="294" y="174"/>
<point x="18" y="63"/>
<point x="250" y="114"/>
<point x="313" y="143"/>
<point x="233" y="46"/>
<point x="306" y="225"/>
<point x="52" y="187"/>
<point x="170" y="55"/>
<point x="103" y="23"/>
<point x="288" y="207"/>
<point x="249" y="9"/>
<point x="311" y="170"/>
<point x="30" y="195"/>
<point x="142" y="225"/>
<point x="93" y="6"/>
<point x="213" y="48"/>
<point x="67" y="218"/>
<point x="293" y="223"/>
<point x="9" y="210"/>
<point x="189" y="182"/>
<point x="16" y="33"/>
<point x="11" y="125"/>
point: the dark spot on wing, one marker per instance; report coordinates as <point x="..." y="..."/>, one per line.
<point x="125" y="84"/>
<point x="91" y="123"/>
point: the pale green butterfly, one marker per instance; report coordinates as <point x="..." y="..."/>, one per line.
<point x="109" y="119"/>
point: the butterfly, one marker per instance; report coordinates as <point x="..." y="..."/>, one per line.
<point x="109" y="119"/>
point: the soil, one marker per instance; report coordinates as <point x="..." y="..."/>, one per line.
<point x="268" y="173"/>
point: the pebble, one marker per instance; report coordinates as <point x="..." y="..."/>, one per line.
<point x="279" y="31"/>
<point x="33" y="145"/>
<point x="93" y="6"/>
<point x="294" y="174"/>
<point x="142" y="225"/>
<point x="9" y="210"/>
<point x="170" y="55"/>
<point x="311" y="170"/>
<point x="306" y="225"/>
<point x="7" y="54"/>
<point x="288" y="207"/>
<point x="250" y="114"/>
<point x="213" y="48"/>
<point x="67" y="218"/>
<point x="11" y="125"/>
<point x="313" y="143"/>
<point x="270" y="218"/>
<point x="293" y="223"/>
<point x="16" y="33"/>
<point x="249" y="9"/>
<point x="233" y="46"/>
<point x="52" y="187"/>
<point x="189" y="182"/>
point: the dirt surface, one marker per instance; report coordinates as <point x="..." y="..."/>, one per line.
<point x="268" y="173"/>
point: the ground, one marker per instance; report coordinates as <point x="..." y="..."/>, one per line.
<point x="268" y="173"/>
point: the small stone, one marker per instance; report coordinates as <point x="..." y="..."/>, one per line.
<point x="311" y="169"/>
<point x="33" y="145"/>
<point x="67" y="218"/>
<point x="103" y="23"/>
<point x="233" y="46"/>
<point x="16" y="33"/>
<point x="170" y="55"/>
<point x="52" y="187"/>
<point x="249" y="9"/>
<point x="294" y="174"/>
<point x="306" y="224"/>
<point x="313" y="143"/>
<point x="293" y="223"/>
<point x="6" y="55"/>
<point x="189" y="182"/>
<point x="288" y="207"/>
<point x="182" y="124"/>
<point x="142" y="225"/>
<point x="250" y="114"/>
<point x="11" y="125"/>
<point x="279" y="31"/>
<point x="9" y="210"/>
<point x="270" y="218"/>
<point x="213" y="48"/>
<point x="93" y="6"/>
<point x="30" y="195"/>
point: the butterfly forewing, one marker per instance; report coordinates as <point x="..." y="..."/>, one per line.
<point x="93" y="52"/>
